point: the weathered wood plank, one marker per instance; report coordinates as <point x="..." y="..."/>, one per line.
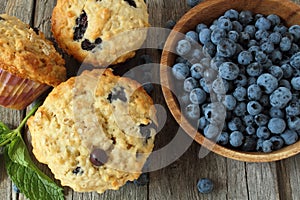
<point x="23" y="10"/>
<point x="262" y="181"/>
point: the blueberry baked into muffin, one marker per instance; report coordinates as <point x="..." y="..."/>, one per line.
<point x="100" y="32"/>
<point x="29" y="63"/>
<point x="95" y="131"/>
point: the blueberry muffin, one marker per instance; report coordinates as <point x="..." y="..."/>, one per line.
<point x="29" y="64"/>
<point x="100" y="32"/>
<point x="95" y="131"/>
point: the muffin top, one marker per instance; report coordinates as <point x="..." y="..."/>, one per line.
<point x="100" y="32"/>
<point x="27" y="54"/>
<point x="95" y="131"/>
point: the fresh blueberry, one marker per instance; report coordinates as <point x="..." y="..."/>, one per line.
<point x="295" y="83"/>
<point x="293" y="123"/>
<point x="215" y="113"/>
<point x="267" y="146"/>
<point x="245" y="17"/>
<point x="276" y="113"/>
<point x="280" y="29"/>
<point x="210" y="74"/>
<point x="263" y="132"/>
<point x="244" y="38"/>
<point x="289" y="137"/>
<point x="192" y="111"/>
<point x="229" y="70"/>
<point x="249" y="144"/>
<point x="229" y="102"/>
<point x="276" y="56"/>
<point x="251" y="80"/>
<point x="142" y="180"/>
<point x="295" y="31"/>
<point x="254" y="69"/>
<point x="170" y="24"/>
<point x="293" y="50"/>
<point x="295" y="61"/>
<point x="213" y="26"/>
<point x="205" y="185"/>
<point x="205" y="85"/>
<point x="267" y="82"/>
<point x="293" y="108"/>
<point x="205" y="35"/>
<point x="285" y="44"/>
<point x="197" y="96"/>
<point x="235" y="124"/>
<point x="180" y="71"/>
<point x="276" y="71"/>
<point x="231" y="14"/>
<point x="220" y="86"/>
<point x="16" y="189"/>
<point x="250" y="29"/>
<point x="274" y="19"/>
<point x="261" y="34"/>
<point x="261" y="119"/>
<point x="217" y="35"/>
<point x="184" y="98"/>
<point x="189" y="84"/>
<point x="254" y="107"/>
<point x="236" y="138"/>
<point x="267" y="47"/>
<point x="287" y="70"/>
<point x="237" y="26"/>
<point x="248" y="120"/>
<point x="261" y="57"/>
<point x="192" y="36"/>
<point x="209" y="49"/>
<point x="275" y="37"/>
<point x="211" y="131"/>
<point x="223" y="138"/>
<point x="241" y="80"/>
<point x="245" y="58"/>
<point x="225" y="24"/>
<point x="259" y="144"/>
<point x="250" y="130"/>
<point x="276" y="125"/>
<point x="254" y="92"/>
<point x="183" y="47"/>
<point x="216" y="61"/>
<point x="148" y="87"/>
<point x="277" y="142"/>
<point x="233" y="35"/>
<point x="254" y="49"/>
<point x="252" y="42"/>
<point x="263" y="24"/>
<point x="197" y="70"/>
<point x="192" y="3"/>
<point x="240" y="109"/>
<point x="202" y="123"/>
<point x="240" y="93"/>
<point x="200" y="27"/>
<point x="264" y="100"/>
<point x="280" y="97"/>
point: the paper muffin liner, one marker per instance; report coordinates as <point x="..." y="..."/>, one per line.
<point x="16" y="92"/>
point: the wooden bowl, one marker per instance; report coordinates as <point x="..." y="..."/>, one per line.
<point x="206" y="12"/>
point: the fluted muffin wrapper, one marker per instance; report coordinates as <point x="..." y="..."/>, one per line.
<point x="16" y="92"/>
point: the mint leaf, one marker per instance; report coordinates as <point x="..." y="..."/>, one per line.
<point x="5" y="134"/>
<point x="28" y="178"/>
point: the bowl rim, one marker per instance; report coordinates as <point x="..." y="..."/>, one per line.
<point x="170" y="99"/>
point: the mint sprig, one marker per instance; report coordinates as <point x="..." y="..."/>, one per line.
<point x="30" y="180"/>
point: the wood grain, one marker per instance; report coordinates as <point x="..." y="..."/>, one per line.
<point x="177" y="181"/>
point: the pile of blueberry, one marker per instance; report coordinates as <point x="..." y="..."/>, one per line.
<point x="239" y="79"/>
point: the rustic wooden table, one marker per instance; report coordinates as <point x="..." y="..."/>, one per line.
<point x="233" y="179"/>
